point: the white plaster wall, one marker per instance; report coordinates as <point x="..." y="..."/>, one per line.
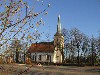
<point x="57" y="56"/>
<point x="43" y="57"/>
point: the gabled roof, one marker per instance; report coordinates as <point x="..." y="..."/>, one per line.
<point x="42" y="47"/>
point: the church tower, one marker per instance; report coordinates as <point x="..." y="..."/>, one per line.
<point x="58" y="44"/>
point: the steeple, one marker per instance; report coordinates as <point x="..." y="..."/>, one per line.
<point x="58" y="56"/>
<point x="59" y="25"/>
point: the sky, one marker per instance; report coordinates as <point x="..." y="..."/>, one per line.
<point x="82" y="14"/>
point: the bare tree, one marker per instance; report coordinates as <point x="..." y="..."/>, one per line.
<point x="67" y="36"/>
<point x="14" y="17"/>
<point x="98" y="51"/>
<point x="77" y="38"/>
<point x="16" y="48"/>
<point x="85" y="47"/>
<point x="93" y="50"/>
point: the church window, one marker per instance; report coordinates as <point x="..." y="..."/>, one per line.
<point x="33" y="57"/>
<point x="50" y="58"/>
<point x="39" y="57"/>
<point x="47" y="57"/>
<point x="57" y="39"/>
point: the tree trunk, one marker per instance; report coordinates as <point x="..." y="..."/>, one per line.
<point x="17" y="56"/>
<point x="24" y="57"/>
<point x="92" y="57"/>
<point x="78" y="57"/>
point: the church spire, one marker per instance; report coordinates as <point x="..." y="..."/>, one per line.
<point x="59" y="25"/>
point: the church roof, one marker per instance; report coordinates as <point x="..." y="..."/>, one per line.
<point x="42" y="47"/>
<point x="58" y="34"/>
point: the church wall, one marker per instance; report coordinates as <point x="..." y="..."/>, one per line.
<point x="42" y="57"/>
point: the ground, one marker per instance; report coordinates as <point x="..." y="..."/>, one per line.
<point x="23" y="69"/>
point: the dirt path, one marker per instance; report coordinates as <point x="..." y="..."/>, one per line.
<point x="22" y="69"/>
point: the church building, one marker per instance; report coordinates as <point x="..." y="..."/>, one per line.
<point x="49" y="51"/>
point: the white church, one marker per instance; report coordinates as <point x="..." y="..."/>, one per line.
<point x="49" y="51"/>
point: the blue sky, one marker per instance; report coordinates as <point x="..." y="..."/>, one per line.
<point x="82" y="14"/>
